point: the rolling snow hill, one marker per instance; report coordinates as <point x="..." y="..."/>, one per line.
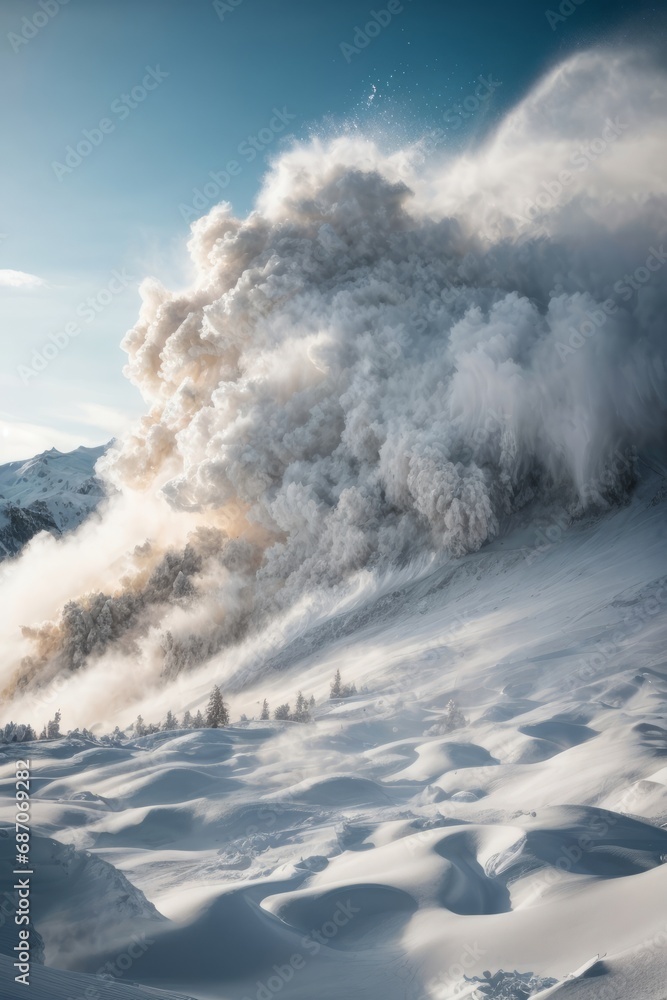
<point x="373" y="853"/>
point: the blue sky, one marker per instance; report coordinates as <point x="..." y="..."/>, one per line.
<point x="183" y="87"/>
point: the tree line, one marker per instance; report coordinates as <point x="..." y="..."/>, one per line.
<point x="216" y="716"/>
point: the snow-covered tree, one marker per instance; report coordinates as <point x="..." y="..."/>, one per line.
<point x="336" y="685"/>
<point x="198" y="722"/>
<point x="139" y="727"/>
<point x="265" y="711"/>
<point x="182" y="589"/>
<point x="16" y="732"/>
<point x="509" y="985"/>
<point x="187" y="720"/>
<point x="453" y="719"/>
<point x="217" y="714"/>
<point x="170" y="722"/>
<point x="104" y="626"/>
<point x="53" y="727"/>
<point x="340" y="690"/>
<point x="301" y="713"/>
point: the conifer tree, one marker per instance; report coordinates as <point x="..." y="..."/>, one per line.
<point x="301" y="713"/>
<point x="217" y="714"/>
<point x="198" y="721"/>
<point x="454" y="717"/>
<point x="265" y="711"/>
<point x="187" y="720"/>
<point x="10" y="733"/>
<point x="53" y="728"/>
<point x="336" y="686"/>
<point x="169" y="723"/>
<point x="340" y="690"/>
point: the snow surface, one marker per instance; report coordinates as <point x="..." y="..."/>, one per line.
<point x="54" y="491"/>
<point x="532" y="839"/>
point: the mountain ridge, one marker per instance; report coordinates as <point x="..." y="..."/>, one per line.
<point x="54" y="491"/>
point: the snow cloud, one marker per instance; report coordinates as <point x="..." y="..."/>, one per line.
<point x="377" y="365"/>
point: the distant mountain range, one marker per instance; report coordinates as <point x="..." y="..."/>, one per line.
<point x="53" y="492"/>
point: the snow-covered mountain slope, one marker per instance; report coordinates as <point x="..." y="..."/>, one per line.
<point x="51" y="984"/>
<point x="53" y="492"/>
<point x="369" y="855"/>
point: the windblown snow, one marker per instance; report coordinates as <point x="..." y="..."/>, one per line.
<point x="408" y="422"/>
<point x="362" y="856"/>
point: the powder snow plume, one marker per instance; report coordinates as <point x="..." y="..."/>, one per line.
<point x="386" y="359"/>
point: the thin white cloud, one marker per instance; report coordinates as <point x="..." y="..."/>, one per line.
<point x="19" y="279"/>
<point x="20" y="441"/>
<point x="107" y="418"/>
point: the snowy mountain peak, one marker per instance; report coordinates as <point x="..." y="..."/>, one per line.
<point x="54" y="491"/>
